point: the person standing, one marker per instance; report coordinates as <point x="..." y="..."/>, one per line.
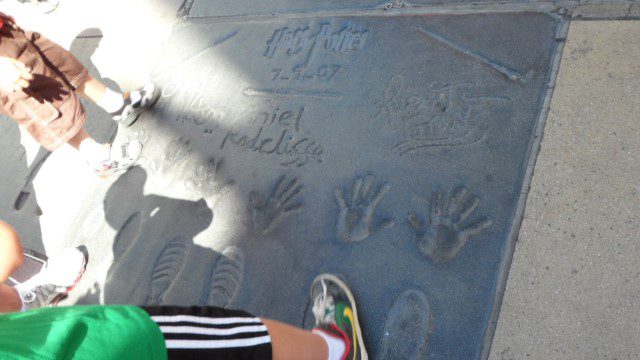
<point x="39" y="86"/>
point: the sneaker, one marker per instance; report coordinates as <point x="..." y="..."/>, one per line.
<point x="135" y="102"/>
<point x="335" y="312"/>
<point x="120" y="159"/>
<point x="54" y="281"/>
<point x="41" y="6"/>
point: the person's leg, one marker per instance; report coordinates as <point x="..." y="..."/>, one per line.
<point x="124" y="108"/>
<point x="9" y="299"/>
<point x="336" y="315"/>
<point x="288" y="342"/>
<point x="101" y="157"/>
<point x="91" y="151"/>
<point x="11" y="252"/>
<point x="93" y="89"/>
<point x="11" y="257"/>
<point x="59" y="276"/>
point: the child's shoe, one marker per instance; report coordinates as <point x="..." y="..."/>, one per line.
<point x="135" y="102"/>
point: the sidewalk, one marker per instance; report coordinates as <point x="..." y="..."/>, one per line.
<point x="573" y="290"/>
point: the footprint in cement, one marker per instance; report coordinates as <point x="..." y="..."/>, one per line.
<point x="407" y="327"/>
<point x="226" y="277"/>
<point x="166" y="269"/>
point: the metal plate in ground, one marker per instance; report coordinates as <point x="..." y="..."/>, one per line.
<point x="388" y="150"/>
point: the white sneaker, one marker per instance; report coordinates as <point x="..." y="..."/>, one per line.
<point x="136" y="102"/>
<point x="121" y="158"/>
<point x="51" y="284"/>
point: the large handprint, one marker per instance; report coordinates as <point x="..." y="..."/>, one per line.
<point x="282" y="203"/>
<point x="443" y="234"/>
<point x="355" y="220"/>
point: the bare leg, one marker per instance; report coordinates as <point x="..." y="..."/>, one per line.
<point x="11" y="257"/>
<point x="92" y="88"/>
<point x="79" y="138"/>
<point x="289" y="342"/>
<point x="9" y="299"/>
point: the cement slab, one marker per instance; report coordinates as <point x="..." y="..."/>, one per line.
<point x="285" y="148"/>
<point x="573" y="287"/>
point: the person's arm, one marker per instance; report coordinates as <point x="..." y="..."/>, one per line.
<point x="11" y="252"/>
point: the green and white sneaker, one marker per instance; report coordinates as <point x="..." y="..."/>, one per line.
<point x="54" y="281"/>
<point x="334" y="309"/>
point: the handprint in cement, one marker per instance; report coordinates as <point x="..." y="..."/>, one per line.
<point x="355" y="219"/>
<point x="446" y="230"/>
<point x="207" y="178"/>
<point x="283" y="202"/>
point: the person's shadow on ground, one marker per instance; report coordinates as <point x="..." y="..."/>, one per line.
<point x="99" y="123"/>
<point x="19" y="205"/>
<point x="155" y="260"/>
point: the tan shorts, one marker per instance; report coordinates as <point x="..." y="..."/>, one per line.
<point x="49" y="109"/>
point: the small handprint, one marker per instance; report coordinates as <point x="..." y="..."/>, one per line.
<point x="206" y="178"/>
<point x="355" y="220"/>
<point x="178" y="150"/>
<point x="282" y="203"/>
<point x="443" y="234"/>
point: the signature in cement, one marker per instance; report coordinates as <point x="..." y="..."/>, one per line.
<point x="449" y="115"/>
<point x="190" y="104"/>
<point x="306" y="42"/>
<point x="282" y="203"/>
<point x="446" y="230"/>
<point x="355" y="219"/>
<point x="278" y="135"/>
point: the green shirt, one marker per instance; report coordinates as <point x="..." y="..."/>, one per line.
<point x="81" y="332"/>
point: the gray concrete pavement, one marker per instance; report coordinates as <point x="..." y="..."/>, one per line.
<point x="574" y="284"/>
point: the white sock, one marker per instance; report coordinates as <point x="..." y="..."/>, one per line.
<point x="335" y="344"/>
<point x="23" y="288"/>
<point x="111" y="101"/>
<point x="92" y="152"/>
